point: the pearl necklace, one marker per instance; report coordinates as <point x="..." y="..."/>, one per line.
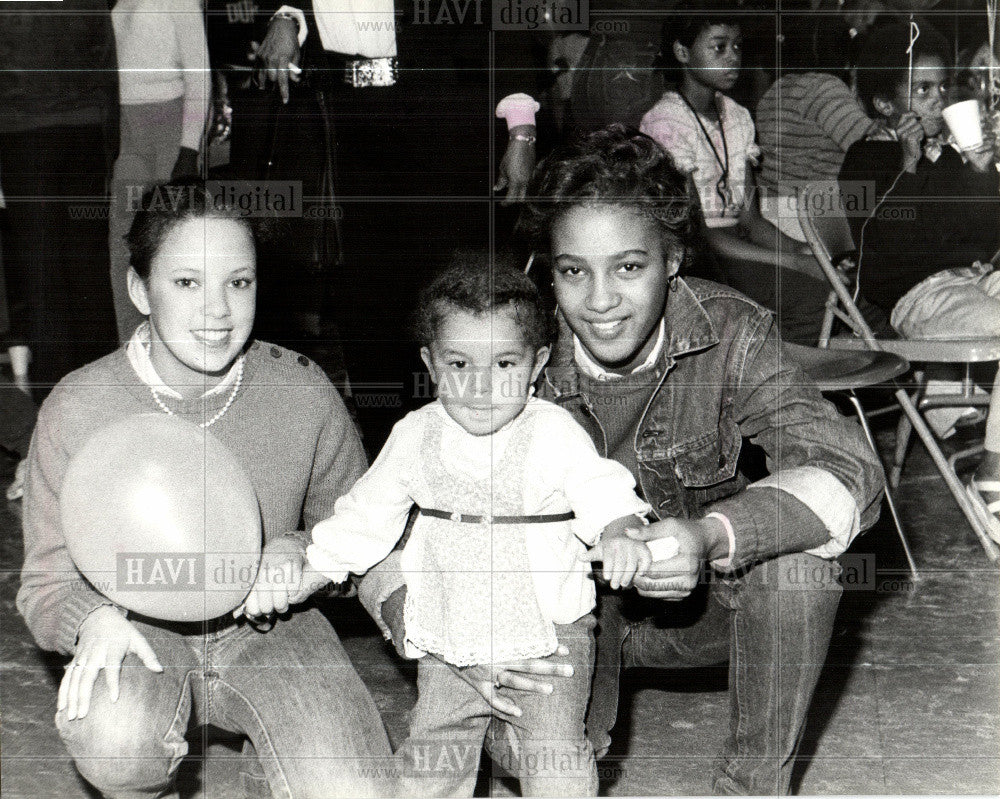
<point x="232" y="395"/>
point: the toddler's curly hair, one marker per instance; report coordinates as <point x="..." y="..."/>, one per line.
<point x="479" y="282"/>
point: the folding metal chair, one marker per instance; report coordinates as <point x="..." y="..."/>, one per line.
<point x="843" y="372"/>
<point x="828" y="233"/>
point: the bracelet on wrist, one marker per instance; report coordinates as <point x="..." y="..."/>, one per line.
<point x="524" y="137"/>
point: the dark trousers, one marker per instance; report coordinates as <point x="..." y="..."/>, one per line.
<point x="411" y="183"/>
<point x="55" y="240"/>
<point x="17" y="418"/>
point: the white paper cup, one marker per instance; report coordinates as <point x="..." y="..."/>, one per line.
<point x="963" y="122"/>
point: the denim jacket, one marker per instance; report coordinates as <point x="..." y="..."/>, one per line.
<point x="723" y="379"/>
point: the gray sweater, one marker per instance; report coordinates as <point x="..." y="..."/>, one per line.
<point x="287" y="426"/>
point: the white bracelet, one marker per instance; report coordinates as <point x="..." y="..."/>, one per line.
<point x="523" y="137"/>
<point x="726" y="562"/>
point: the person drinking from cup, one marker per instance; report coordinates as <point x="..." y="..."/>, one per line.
<point x="927" y="244"/>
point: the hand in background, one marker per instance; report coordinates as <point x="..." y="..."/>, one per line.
<point x="276" y="53"/>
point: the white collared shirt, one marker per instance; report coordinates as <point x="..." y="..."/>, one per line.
<point x="594" y="370"/>
<point x="137" y="352"/>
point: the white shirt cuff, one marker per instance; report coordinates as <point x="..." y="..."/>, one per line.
<point x="726" y="562"/>
<point x="826" y="497"/>
<point x="300" y="20"/>
<point x="518" y="109"/>
<point x="321" y="561"/>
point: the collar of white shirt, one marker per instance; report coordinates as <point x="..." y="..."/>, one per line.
<point x="137" y="353"/>
<point x="594" y="370"/>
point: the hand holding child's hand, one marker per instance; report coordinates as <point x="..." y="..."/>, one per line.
<point x="278" y="580"/>
<point x="622" y="560"/>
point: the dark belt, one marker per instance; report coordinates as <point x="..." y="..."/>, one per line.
<point x="466" y="518"/>
<point x="188" y="628"/>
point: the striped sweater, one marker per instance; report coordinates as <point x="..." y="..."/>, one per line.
<point x="805" y="124"/>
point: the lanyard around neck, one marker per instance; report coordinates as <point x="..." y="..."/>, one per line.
<point x="724" y="158"/>
<point x="722" y="185"/>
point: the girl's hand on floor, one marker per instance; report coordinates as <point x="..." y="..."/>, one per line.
<point x="106" y="637"/>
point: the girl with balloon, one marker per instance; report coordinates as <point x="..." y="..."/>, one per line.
<point x="271" y="422"/>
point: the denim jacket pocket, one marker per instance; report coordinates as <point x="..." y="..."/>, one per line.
<point x="709" y="459"/>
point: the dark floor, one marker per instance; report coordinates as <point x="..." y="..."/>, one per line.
<point x="909" y="702"/>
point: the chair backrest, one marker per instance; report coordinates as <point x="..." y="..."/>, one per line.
<point x="824" y="222"/>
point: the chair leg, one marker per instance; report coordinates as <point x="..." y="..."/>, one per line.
<point x="827" y="328"/>
<point x="950" y="478"/>
<point x="903" y="430"/>
<point x="860" y="411"/>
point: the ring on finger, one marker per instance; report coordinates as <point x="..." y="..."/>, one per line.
<point x="496" y="680"/>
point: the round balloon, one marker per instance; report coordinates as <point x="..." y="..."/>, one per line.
<point x="162" y="519"/>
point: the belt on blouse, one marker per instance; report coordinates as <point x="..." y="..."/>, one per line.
<point x="466" y="518"/>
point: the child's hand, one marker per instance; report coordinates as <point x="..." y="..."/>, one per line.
<point x="621" y="560"/>
<point x="278" y="580"/>
<point x="981" y="158"/>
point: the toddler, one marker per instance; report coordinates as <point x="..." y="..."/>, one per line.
<point x="511" y="492"/>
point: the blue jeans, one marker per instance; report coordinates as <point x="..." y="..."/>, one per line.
<point x="291" y="690"/>
<point x="772" y="623"/>
<point x="546" y="748"/>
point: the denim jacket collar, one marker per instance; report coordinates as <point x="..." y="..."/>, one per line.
<point x="688" y="329"/>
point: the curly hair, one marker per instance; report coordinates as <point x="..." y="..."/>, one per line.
<point x="883" y="60"/>
<point x="479" y="282"/>
<point x="618" y="167"/>
<point x="169" y="204"/>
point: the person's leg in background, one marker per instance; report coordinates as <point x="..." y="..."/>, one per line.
<point x="150" y="141"/>
<point x="958" y="304"/>
<point x="17" y="421"/>
<point x="413" y="183"/>
<point x="56" y="246"/>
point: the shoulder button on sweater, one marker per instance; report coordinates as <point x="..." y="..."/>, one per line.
<point x="275" y="352"/>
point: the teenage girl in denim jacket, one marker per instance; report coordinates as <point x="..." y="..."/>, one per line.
<point x="671" y="377"/>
